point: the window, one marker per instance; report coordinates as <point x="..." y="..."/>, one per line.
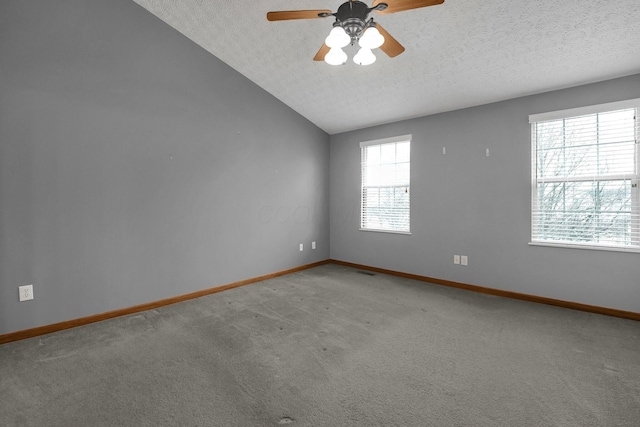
<point x="385" y="191"/>
<point x="585" y="177"/>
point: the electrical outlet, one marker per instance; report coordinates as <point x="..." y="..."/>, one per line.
<point x="301" y="247"/>
<point x="456" y="259"/>
<point x="464" y="260"/>
<point x="313" y="245"/>
<point x="25" y="292"/>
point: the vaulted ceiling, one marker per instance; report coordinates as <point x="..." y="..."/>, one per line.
<point x="458" y="54"/>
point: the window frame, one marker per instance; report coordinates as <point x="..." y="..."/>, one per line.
<point x="378" y="142"/>
<point x="634" y="178"/>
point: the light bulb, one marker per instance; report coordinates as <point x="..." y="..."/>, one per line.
<point x="337" y="38"/>
<point x="335" y="56"/>
<point x="371" y="38"/>
<point x="364" y="57"/>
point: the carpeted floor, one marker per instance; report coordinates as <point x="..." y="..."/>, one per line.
<point x="331" y="346"/>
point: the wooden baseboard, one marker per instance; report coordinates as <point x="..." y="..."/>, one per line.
<point x="47" y="329"/>
<point x="501" y="293"/>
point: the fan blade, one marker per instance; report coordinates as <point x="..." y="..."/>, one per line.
<point x="296" y="14"/>
<point x="390" y="46"/>
<point x="400" y="5"/>
<point x="321" y="53"/>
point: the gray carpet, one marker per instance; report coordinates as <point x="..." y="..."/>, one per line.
<point x="331" y="346"/>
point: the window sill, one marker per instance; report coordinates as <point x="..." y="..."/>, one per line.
<point x="587" y="247"/>
<point x="386" y="231"/>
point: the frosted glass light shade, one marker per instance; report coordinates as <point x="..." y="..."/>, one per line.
<point x="364" y="57"/>
<point x="337" y="38"/>
<point x="335" y="56"/>
<point x="371" y="38"/>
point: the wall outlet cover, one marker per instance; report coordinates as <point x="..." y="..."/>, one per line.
<point x="25" y="292"/>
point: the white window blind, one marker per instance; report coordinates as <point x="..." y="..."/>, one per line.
<point x="385" y="195"/>
<point x="585" y="177"/>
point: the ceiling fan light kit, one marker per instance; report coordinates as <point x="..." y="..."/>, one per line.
<point x="338" y="38"/>
<point x="353" y="25"/>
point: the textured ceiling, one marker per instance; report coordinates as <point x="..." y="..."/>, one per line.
<point x="458" y="54"/>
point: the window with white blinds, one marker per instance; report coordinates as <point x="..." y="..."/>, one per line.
<point x="585" y="177"/>
<point x="385" y="195"/>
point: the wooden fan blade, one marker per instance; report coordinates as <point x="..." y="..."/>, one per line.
<point x="321" y="53"/>
<point x="400" y="5"/>
<point x="284" y="15"/>
<point x="390" y="46"/>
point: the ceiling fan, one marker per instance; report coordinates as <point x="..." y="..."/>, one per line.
<point x="353" y="25"/>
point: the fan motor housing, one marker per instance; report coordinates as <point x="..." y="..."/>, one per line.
<point x="352" y="17"/>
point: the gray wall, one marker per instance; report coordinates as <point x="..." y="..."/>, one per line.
<point x="469" y="204"/>
<point x="135" y="166"/>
